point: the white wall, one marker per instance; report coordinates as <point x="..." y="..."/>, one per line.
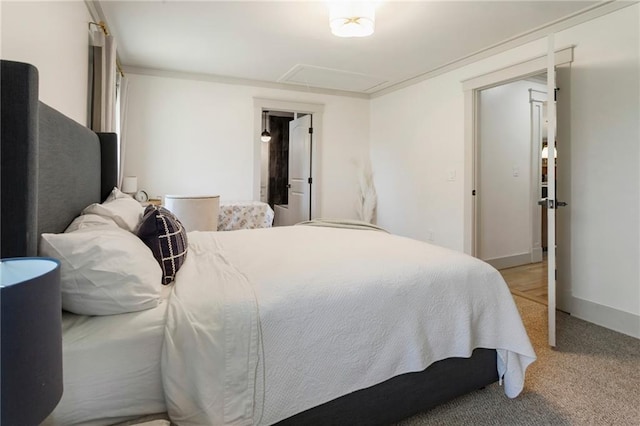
<point x="54" y="37"/>
<point x="191" y="136"/>
<point x="417" y="152"/>
<point x="504" y="189"/>
<point x="605" y="178"/>
<point x="413" y="154"/>
<point x="417" y="139"/>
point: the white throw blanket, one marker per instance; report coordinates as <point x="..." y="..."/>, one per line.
<point x="342" y="223"/>
<point x="267" y="323"/>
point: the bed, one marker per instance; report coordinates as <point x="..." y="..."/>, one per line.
<point x="287" y="323"/>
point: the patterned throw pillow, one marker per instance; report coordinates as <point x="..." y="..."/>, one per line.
<point x="163" y="233"/>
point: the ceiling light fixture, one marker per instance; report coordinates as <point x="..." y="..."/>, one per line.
<point x="352" y="18"/>
<point x="265" y="136"/>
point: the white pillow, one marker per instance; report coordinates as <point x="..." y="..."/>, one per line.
<point x="89" y="221"/>
<point x="116" y="193"/>
<point x="124" y="210"/>
<point x="104" y="270"/>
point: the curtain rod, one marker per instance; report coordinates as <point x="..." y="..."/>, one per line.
<point x="119" y="66"/>
<point x="105" y="30"/>
<point x="102" y="26"/>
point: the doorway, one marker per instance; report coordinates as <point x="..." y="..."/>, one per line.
<point x="274" y="171"/>
<point x="290" y="112"/>
<point x="557" y="64"/>
<point x="511" y="131"/>
<point x="286" y="161"/>
<point x="511" y="174"/>
<point x="528" y="281"/>
<point x="471" y="88"/>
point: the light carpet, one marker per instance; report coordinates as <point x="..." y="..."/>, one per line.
<point x="592" y="377"/>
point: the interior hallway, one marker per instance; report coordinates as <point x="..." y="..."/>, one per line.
<point x="528" y="281"/>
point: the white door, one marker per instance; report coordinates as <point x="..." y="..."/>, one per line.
<point x="551" y="202"/>
<point x="300" y="169"/>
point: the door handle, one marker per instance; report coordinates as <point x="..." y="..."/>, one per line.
<point x="549" y="204"/>
<point x="288" y="185"/>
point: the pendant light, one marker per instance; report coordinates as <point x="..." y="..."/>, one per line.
<point x="265" y="136"/>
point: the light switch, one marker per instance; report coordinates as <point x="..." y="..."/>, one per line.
<point x="451" y="175"/>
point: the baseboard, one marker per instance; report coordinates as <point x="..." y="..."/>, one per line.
<point x="563" y="300"/>
<point x="605" y="316"/>
<point x="536" y="255"/>
<point x="510" y="261"/>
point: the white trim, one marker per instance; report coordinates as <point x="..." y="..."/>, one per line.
<point x="518" y="71"/>
<point x="510" y="261"/>
<point x="470" y="205"/>
<point x="536" y="105"/>
<point x="95" y="10"/>
<point x="536" y="255"/>
<point x="605" y="316"/>
<point x="240" y="81"/>
<point x="585" y="15"/>
<point x="471" y="88"/>
<point x="537" y="95"/>
<point x="291" y="106"/>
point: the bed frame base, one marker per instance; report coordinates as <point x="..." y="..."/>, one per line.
<point x="405" y="395"/>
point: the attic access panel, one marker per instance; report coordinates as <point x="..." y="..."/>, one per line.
<point x="328" y="78"/>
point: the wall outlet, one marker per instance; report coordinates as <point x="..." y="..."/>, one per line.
<point x="516" y="171"/>
<point x="430" y="235"/>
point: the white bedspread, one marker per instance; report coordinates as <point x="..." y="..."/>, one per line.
<point x="267" y="323"/>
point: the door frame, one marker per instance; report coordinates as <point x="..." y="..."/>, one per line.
<point x="472" y="88"/>
<point x="533" y="254"/>
<point x="537" y="99"/>
<point x="316" y="111"/>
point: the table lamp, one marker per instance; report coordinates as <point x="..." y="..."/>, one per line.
<point x="130" y="184"/>
<point x="30" y="339"/>
<point x="196" y="213"/>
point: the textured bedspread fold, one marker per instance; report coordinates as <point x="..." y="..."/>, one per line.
<point x="210" y="353"/>
<point x="267" y="323"/>
<point x="342" y="223"/>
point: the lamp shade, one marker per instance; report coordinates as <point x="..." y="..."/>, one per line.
<point x="31" y="339"/>
<point x="195" y="212"/>
<point x="130" y="184"/>
<point x="265" y="136"/>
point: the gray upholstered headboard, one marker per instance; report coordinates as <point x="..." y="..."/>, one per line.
<point x="51" y="167"/>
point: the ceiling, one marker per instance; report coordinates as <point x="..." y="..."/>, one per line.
<point x="290" y="42"/>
